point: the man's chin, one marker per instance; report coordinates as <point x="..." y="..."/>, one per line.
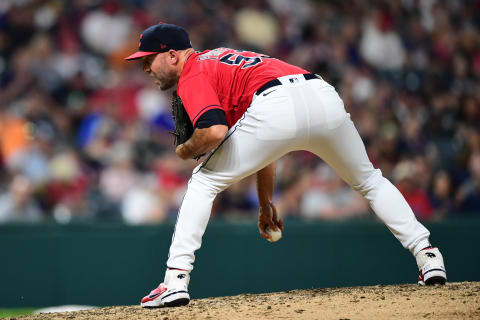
<point x="165" y="87"/>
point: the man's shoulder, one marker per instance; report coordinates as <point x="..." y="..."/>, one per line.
<point x="201" y="63"/>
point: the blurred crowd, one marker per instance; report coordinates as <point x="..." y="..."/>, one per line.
<point x="85" y="135"/>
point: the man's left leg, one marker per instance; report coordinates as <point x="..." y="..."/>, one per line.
<point x="240" y="154"/>
<point x="342" y="148"/>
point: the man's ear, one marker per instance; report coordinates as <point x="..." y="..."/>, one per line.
<point x="173" y="56"/>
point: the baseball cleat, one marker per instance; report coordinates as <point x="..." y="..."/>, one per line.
<point x="431" y="267"/>
<point x="172" y="292"/>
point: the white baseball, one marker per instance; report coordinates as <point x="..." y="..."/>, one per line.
<point x="274" y="235"/>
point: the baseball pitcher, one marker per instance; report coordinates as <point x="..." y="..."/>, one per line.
<point x="246" y="110"/>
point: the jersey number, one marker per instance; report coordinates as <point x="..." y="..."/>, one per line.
<point x="234" y="59"/>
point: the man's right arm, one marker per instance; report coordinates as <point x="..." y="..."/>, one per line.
<point x="206" y="114"/>
<point x="202" y="141"/>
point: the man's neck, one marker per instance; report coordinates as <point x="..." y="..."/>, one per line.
<point x="184" y="57"/>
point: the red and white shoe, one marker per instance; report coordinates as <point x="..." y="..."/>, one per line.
<point x="172" y="292"/>
<point x="431" y="267"/>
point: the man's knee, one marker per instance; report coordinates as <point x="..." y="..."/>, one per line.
<point x="370" y="185"/>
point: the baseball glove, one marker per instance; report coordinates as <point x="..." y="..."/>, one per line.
<point x="183" y="125"/>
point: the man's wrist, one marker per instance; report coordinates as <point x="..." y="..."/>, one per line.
<point x="265" y="205"/>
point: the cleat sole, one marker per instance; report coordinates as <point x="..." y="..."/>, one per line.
<point x="435" y="280"/>
<point x="177" y="302"/>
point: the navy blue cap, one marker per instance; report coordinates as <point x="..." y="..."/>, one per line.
<point x="161" y="38"/>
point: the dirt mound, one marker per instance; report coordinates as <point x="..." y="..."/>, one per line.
<point x="452" y="301"/>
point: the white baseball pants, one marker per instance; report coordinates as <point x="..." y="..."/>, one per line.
<point x="297" y="115"/>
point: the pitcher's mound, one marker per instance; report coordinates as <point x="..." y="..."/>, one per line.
<point x="459" y="300"/>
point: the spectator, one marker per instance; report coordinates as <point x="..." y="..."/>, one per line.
<point x="408" y="73"/>
<point x="142" y="205"/>
<point x="67" y="191"/>
<point x="468" y="197"/>
<point x="442" y="202"/>
<point x="18" y="203"/>
<point x="380" y="44"/>
<point x="330" y="198"/>
<point x="406" y="180"/>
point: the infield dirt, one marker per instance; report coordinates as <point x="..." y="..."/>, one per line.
<point x="459" y="300"/>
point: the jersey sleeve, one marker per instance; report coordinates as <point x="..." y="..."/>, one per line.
<point x="210" y="118"/>
<point x="198" y="96"/>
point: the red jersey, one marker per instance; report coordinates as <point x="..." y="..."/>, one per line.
<point x="226" y="79"/>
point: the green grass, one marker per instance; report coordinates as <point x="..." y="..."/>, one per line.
<point x="7" y="313"/>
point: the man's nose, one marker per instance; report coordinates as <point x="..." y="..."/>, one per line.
<point x="146" y="68"/>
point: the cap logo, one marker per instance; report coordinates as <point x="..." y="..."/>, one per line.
<point x="139" y="43"/>
<point x="163" y="46"/>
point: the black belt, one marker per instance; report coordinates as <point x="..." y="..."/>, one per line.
<point x="276" y="82"/>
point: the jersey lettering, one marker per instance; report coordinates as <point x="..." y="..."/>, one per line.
<point x="213" y="54"/>
<point x="235" y="59"/>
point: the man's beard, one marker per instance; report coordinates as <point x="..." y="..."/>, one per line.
<point x="166" y="82"/>
<point x="167" y="85"/>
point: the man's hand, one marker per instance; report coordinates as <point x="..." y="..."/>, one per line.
<point x="201" y="142"/>
<point x="268" y="218"/>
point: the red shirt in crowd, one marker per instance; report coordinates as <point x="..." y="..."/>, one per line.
<point x="226" y="79"/>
